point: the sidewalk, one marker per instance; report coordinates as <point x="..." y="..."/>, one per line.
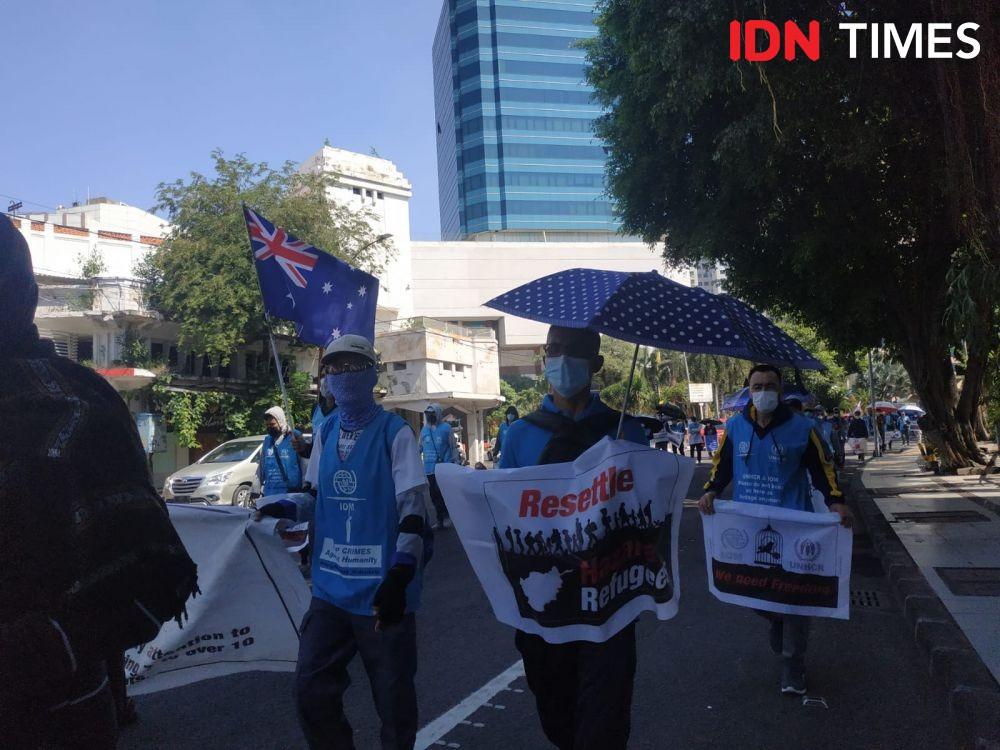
<point x="939" y="539"/>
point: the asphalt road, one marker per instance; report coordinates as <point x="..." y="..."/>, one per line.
<point x="706" y="679"/>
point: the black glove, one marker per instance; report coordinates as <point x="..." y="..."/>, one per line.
<point x="389" y="605"/>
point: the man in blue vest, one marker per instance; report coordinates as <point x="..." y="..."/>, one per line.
<point x="583" y="690"/>
<point x="766" y="453"/>
<point x="368" y="557"/>
<point x="437" y="444"/>
<point x="510" y="416"/>
<point x="279" y="470"/>
<point x="321" y="412"/>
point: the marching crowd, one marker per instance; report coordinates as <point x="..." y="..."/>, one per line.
<point x="368" y="483"/>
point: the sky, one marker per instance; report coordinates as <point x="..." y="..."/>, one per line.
<point x="113" y="97"/>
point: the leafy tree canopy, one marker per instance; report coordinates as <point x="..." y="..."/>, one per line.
<point x="202" y="275"/>
<point x="858" y="196"/>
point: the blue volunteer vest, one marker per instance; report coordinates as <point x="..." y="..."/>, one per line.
<point x="357" y="521"/>
<point x="435" y="443"/>
<point x="319" y="419"/>
<point x="273" y="482"/>
<point x="768" y="470"/>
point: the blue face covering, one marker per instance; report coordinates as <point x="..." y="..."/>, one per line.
<point x="353" y="394"/>
<point x="567" y="375"/>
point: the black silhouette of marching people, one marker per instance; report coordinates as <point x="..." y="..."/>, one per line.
<point x="584" y="537"/>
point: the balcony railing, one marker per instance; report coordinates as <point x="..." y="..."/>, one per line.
<point x="430" y="324"/>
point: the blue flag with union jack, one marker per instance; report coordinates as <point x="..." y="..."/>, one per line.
<point x="325" y="297"/>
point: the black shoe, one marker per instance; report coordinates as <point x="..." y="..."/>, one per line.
<point x="777" y="636"/>
<point x="793" y="679"/>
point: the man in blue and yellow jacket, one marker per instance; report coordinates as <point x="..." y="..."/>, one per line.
<point x="766" y="454"/>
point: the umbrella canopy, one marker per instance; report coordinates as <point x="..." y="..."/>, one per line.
<point x="885" y="407"/>
<point x="671" y="411"/>
<point x="737" y="401"/>
<point x="649" y="423"/>
<point x="650" y="309"/>
<point x="911" y="410"/>
<point x="716" y="422"/>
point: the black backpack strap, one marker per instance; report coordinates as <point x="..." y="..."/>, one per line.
<point x="570" y="438"/>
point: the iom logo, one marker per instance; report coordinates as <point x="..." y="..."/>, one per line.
<point x="345" y="482"/>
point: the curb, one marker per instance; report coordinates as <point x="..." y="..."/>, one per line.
<point x="973" y="695"/>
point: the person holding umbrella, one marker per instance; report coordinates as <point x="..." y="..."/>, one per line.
<point x="694" y="437"/>
<point x="583" y="690"/>
<point x="767" y="430"/>
<point x="711" y="436"/>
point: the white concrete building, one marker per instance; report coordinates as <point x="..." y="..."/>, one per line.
<point x="708" y="276"/>
<point x="94" y="320"/>
<point x="452" y="280"/>
<point x="377" y="187"/>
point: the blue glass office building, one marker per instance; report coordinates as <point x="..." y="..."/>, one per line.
<point x="516" y="151"/>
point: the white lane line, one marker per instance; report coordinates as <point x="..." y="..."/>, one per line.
<point x="461" y="711"/>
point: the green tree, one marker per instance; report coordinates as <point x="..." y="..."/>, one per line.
<point x="202" y="276"/>
<point x="859" y="196"/>
<point x="233" y="415"/>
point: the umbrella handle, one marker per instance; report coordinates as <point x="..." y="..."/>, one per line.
<point x="628" y="393"/>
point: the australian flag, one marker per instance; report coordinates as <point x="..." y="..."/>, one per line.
<point x="325" y="297"/>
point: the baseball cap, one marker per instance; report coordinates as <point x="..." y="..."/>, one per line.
<point x="350" y="342"/>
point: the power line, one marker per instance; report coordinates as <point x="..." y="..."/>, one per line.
<point x="33" y="203"/>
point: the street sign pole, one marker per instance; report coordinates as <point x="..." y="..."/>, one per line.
<point x="871" y="405"/>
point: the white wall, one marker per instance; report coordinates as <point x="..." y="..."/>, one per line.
<point x="451" y="280"/>
<point x="56" y="250"/>
<point x="385" y="197"/>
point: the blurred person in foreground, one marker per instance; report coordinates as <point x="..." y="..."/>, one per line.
<point x="90" y="564"/>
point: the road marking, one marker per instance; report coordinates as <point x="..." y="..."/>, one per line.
<point x="454" y="716"/>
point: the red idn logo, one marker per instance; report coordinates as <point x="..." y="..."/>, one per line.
<point x="794" y="37"/>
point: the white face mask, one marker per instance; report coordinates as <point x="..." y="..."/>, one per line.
<point x="765" y="401"/>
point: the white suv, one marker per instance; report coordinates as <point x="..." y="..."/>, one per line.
<point x="223" y="476"/>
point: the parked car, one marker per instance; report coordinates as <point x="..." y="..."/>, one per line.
<point x="222" y="476"/>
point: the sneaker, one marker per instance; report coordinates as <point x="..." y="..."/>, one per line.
<point x="777" y="636"/>
<point x="793" y="680"/>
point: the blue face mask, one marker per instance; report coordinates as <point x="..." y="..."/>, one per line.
<point x="353" y="394"/>
<point x="567" y="375"/>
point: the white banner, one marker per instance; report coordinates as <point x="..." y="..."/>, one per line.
<point x="574" y="551"/>
<point x="779" y="560"/>
<point x="246" y="617"/>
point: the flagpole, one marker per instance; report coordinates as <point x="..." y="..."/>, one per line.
<point x="270" y="329"/>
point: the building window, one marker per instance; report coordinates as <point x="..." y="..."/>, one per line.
<point x="172" y="357"/>
<point x="447" y="366"/>
<point x="156" y="351"/>
<point x="251" y="365"/>
<point x="381" y="195"/>
<point x="85" y="349"/>
<point x="206" y="367"/>
<point x="459" y="368"/>
<point x="399" y="365"/>
<point x="356" y="191"/>
<point x="370" y="193"/>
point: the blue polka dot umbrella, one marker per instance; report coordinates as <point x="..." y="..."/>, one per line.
<point x="652" y="310"/>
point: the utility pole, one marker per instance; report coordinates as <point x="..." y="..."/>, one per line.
<point x="871" y="405"/>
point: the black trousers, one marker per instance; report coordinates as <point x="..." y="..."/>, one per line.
<point x="440" y="510"/>
<point x="696" y="447"/>
<point x="583" y="690"/>
<point x="330" y="637"/>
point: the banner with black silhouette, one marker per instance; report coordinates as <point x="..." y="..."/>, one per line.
<point x="574" y="551"/>
<point x="779" y="560"/>
<point x="246" y="617"/>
